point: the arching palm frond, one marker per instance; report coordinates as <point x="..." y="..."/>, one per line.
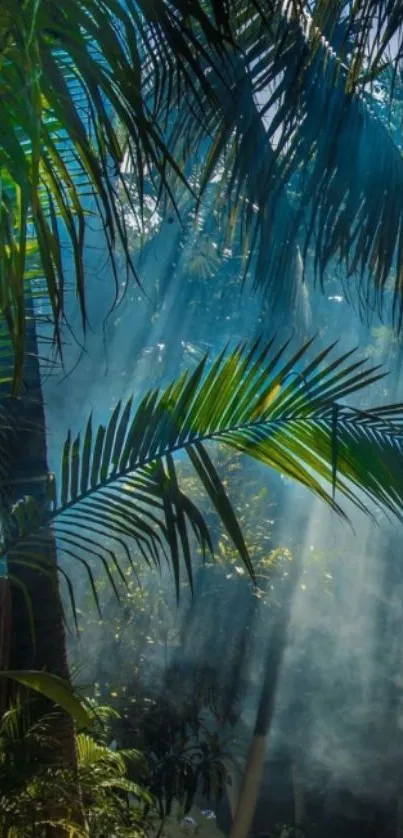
<point x="119" y="489"/>
<point x="59" y="691"/>
<point x="84" y="85"/>
<point x="87" y="86"/>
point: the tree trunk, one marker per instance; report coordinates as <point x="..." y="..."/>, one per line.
<point x="250" y="786"/>
<point x="298" y="791"/>
<point x="399" y="817"/>
<point x="5" y="637"/>
<point x="38" y="632"/>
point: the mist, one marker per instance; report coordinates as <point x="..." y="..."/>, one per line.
<point x="338" y="704"/>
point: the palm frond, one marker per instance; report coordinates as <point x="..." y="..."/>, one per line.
<point x="89" y="86"/>
<point x="300" y="153"/>
<point x="84" y="86"/>
<point x="59" y="691"/>
<point x="119" y="488"/>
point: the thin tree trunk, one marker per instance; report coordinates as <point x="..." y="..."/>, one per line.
<point x="299" y="798"/>
<point x="232" y="789"/>
<point x="250" y="786"/>
<point x="399" y="817"/>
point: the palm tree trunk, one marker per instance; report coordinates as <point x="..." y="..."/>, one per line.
<point x="250" y="786"/>
<point x="298" y="790"/>
<point x="30" y="477"/>
<point x="399" y="817"/>
<point x="5" y="637"/>
<point x="38" y="632"/>
<point x="232" y="789"/>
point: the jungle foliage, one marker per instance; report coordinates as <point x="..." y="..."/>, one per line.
<point x="114" y="114"/>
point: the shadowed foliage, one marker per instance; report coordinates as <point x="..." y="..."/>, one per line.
<point x="100" y="95"/>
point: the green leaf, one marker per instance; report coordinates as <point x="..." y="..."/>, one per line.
<point x="86" y="459"/>
<point x="66" y="470"/>
<point x="75" y="100"/>
<point x="213" y="485"/>
<point x="285" y="412"/>
<point x="56" y="689"/>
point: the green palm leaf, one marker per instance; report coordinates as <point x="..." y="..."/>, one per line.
<point x="87" y="85"/>
<point x="122" y="494"/>
<point x="56" y="689"/>
<point x="84" y="86"/>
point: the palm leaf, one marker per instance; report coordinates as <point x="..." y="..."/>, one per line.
<point x="56" y="689"/>
<point x="250" y="400"/>
<point x="85" y="84"/>
<point x="313" y="164"/>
